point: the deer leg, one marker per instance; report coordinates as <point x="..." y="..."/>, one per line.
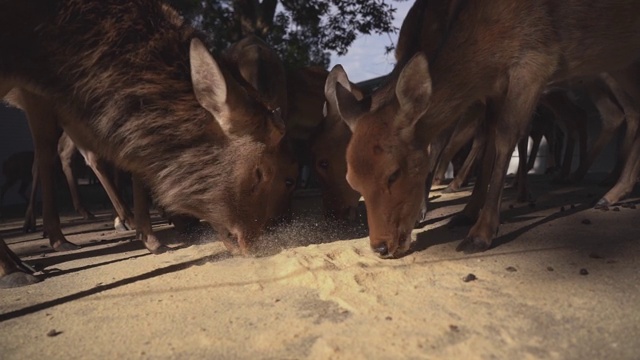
<point x="523" y="195"/>
<point x="13" y="273"/>
<point x="612" y="118"/>
<point x="535" y="147"/>
<point x="66" y="150"/>
<point x="99" y="168"/>
<point x="626" y="87"/>
<point x="30" y="216"/>
<point x="476" y="148"/>
<point x="514" y="115"/>
<point x="143" y="220"/>
<point x="469" y="214"/>
<point x="628" y="177"/>
<point x="45" y="139"/>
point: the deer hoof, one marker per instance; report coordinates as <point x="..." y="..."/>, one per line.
<point x="471" y="245"/>
<point x="17" y="279"/>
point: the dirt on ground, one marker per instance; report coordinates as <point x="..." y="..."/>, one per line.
<point x="561" y="282"/>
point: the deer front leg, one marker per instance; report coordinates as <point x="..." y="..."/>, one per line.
<point x="45" y="134"/>
<point x="513" y="117"/>
<point x="143" y="220"/>
<point x="13" y="273"/>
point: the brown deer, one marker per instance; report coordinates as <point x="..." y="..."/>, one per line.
<point x="504" y="52"/>
<point x="138" y="87"/>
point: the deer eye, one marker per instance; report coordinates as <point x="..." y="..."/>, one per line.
<point x="323" y="164"/>
<point x="393" y="177"/>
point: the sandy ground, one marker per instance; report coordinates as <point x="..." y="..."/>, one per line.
<point x="325" y="298"/>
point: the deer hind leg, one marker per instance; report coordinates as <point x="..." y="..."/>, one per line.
<point x="99" y="168"/>
<point x="45" y="134"/>
<point x="66" y="150"/>
<point x="477" y="147"/>
<point x="143" y="220"/>
<point x="612" y="118"/>
<point x="513" y="117"/>
<point x="624" y="90"/>
<point x="628" y="95"/>
<point x="13" y="273"/>
<point x="470" y="213"/>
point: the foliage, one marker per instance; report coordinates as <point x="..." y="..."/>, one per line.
<point x="302" y="31"/>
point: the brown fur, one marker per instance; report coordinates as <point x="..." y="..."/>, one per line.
<point x="504" y="51"/>
<point x="122" y="72"/>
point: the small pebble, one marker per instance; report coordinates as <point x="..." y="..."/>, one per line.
<point x="511" y="269"/>
<point x="616" y="209"/>
<point x="584" y="272"/>
<point x="53" y="333"/>
<point x="586" y="221"/>
<point x="43" y="255"/>
<point x="454" y="328"/>
<point x="549" y="268"/>
<point x="469" y="277"/>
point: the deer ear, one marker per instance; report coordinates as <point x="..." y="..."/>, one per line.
<point x="209" y="84"/>
<point x="339" y="95"/>
<point x="413" y="90"/>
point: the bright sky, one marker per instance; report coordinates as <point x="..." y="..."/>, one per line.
<point x="366" y="59"/>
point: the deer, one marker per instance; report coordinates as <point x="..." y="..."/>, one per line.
<point x="503" y="52"/>
<point x="149" y="97"/>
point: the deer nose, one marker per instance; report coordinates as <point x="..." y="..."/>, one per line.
<point x="382" y="249"/>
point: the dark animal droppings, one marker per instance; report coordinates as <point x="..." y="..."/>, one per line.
<point x="549" y="268"/>
<point x="454" y="328"/>
<point x="584" y="272"/>
<point x="469" y="277"/>
<point x="53" y="333"/>
<point x="511" y="269"/>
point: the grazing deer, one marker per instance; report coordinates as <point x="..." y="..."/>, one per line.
<point x="260" y="66"/>
<point x="139" y="88"/>
<point x="504" y="52"/>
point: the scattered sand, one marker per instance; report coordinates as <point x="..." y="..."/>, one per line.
<point x="334" y="299"/>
